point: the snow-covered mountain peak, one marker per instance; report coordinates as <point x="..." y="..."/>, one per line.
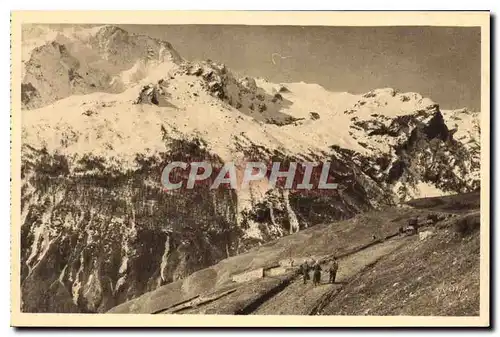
<point x="62" y="62"/>
<point x="105" y="111"/>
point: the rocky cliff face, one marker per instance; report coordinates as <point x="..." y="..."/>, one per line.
<point x="97" y="235"/>
<point x="105" y="111"/>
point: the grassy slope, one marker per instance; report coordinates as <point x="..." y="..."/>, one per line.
<point x="459" y="203"/>
<point x="437" y="276"/>
<point x="402" y="275"/>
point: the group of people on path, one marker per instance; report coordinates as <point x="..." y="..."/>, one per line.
<point x="315" y="267"/>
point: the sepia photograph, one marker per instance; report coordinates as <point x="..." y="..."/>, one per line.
<point x="327" y="169"/>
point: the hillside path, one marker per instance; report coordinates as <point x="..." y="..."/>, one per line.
<point x="299" y="299"/>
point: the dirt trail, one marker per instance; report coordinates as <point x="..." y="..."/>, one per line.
<point x="301" y="299"/>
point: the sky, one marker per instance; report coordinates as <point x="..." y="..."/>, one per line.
<point x="442" y="63"/>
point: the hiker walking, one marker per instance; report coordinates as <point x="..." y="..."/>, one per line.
<point x="413" y="226"/>
<point x="334" y="267"/>
<point x="304" y="269"/>
<point x="316" y="274"/>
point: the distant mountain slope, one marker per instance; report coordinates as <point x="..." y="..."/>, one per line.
<point x="106" y="110"/>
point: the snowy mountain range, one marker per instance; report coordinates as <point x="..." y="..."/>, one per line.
<point x="104" y="111"/>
